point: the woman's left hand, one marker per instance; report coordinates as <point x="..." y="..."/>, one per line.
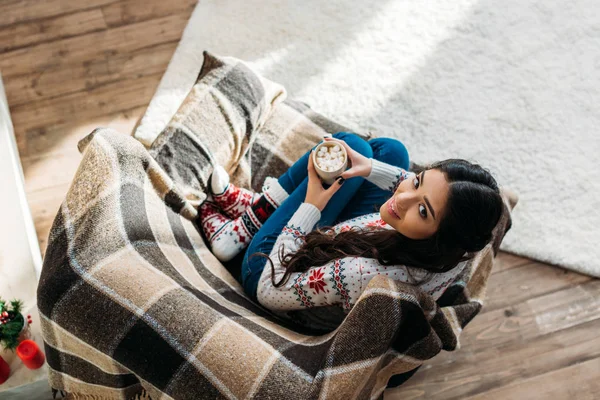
<point x="315" y="193"/>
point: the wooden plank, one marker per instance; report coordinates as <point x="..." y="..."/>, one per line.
<point x="56" y="139"/>
<point x="55" y="169"/>
<point x="65" y="53"/>
<point x="578" y="382"/>
<point x="542" y="315"/>
<point x="50" y="29"/>
<point x="44" y="205"/>
<point x="83" y="106"/>
<point x="505" y="261"/>
<point x="567" y="308"/>
<point x="12" y="12"/>
<point x="89" y="74"/>
<point x="56" y="164"/>
<point x="128" y="12"/>
<point x="530" y="280"/>
<point x="449" y="377"/>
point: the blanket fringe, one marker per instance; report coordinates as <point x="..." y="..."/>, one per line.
<point x="79" y="396"/>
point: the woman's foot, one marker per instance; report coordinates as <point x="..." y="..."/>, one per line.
<point x="229" y="236"/>
<point x="232" y="199"/>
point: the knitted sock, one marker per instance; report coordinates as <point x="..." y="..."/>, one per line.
<point x="232" y="199"/>
<point x="227" y="236"/>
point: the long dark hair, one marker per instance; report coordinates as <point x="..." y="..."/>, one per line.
<point x="473" y="209"/>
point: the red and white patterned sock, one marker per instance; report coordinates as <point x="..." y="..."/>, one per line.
<point x="227" y="236"/>
<point x="232" y="199"/>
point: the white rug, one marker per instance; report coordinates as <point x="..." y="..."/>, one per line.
<point x="513" y="85"/>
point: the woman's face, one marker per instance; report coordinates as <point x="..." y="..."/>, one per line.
<point x="417" y="206"/>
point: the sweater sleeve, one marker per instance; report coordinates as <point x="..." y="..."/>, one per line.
<point x="319" y="286"/>
<point x="302" y="222"/>
<point x="337" y="282"/>
<point x="386" y="176"/>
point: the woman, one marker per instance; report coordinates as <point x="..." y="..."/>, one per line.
<point x="323" y="245"/>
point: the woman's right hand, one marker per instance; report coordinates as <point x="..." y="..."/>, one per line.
<point x="361" y="165"/>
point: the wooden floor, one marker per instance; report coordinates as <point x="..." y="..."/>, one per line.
<point x="69" y="66"/>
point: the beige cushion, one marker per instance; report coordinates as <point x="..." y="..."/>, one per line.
<point x="216" y="123"/>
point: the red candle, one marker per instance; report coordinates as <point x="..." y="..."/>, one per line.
<point x="4" y="370"/>
<point x="31" y="355"/>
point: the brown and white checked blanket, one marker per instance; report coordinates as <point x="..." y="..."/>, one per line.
<point x="134" y="304"/>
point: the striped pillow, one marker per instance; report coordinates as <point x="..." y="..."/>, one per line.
<point x="215" y="124"/>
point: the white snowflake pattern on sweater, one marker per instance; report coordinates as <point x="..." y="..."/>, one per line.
<point x="340" y="281"/>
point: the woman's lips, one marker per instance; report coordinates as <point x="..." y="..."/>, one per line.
<point x="391" y="210"/>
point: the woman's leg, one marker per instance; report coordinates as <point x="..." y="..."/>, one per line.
<point x="295" y="180"/>
<point x="228" y="236"/>
<point x="370" y="197"/>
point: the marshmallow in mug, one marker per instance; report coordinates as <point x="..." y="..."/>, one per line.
<point x="330" y="158"/>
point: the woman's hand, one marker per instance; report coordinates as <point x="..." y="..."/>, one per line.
<point x="361" y="165"/>
<point x="315" y="193"/>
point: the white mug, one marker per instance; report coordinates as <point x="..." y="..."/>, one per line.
<point x="328" y="177"/>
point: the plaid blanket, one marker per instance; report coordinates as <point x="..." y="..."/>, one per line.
<point x="133" y="304"/>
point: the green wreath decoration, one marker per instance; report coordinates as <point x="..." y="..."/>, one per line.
<point x="11" y="323"/>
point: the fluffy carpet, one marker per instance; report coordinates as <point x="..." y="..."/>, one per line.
<point x="512" y="85"/>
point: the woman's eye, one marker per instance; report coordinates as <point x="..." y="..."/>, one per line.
<point x="416" y="182"/>
<point x="422" y="211"/>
